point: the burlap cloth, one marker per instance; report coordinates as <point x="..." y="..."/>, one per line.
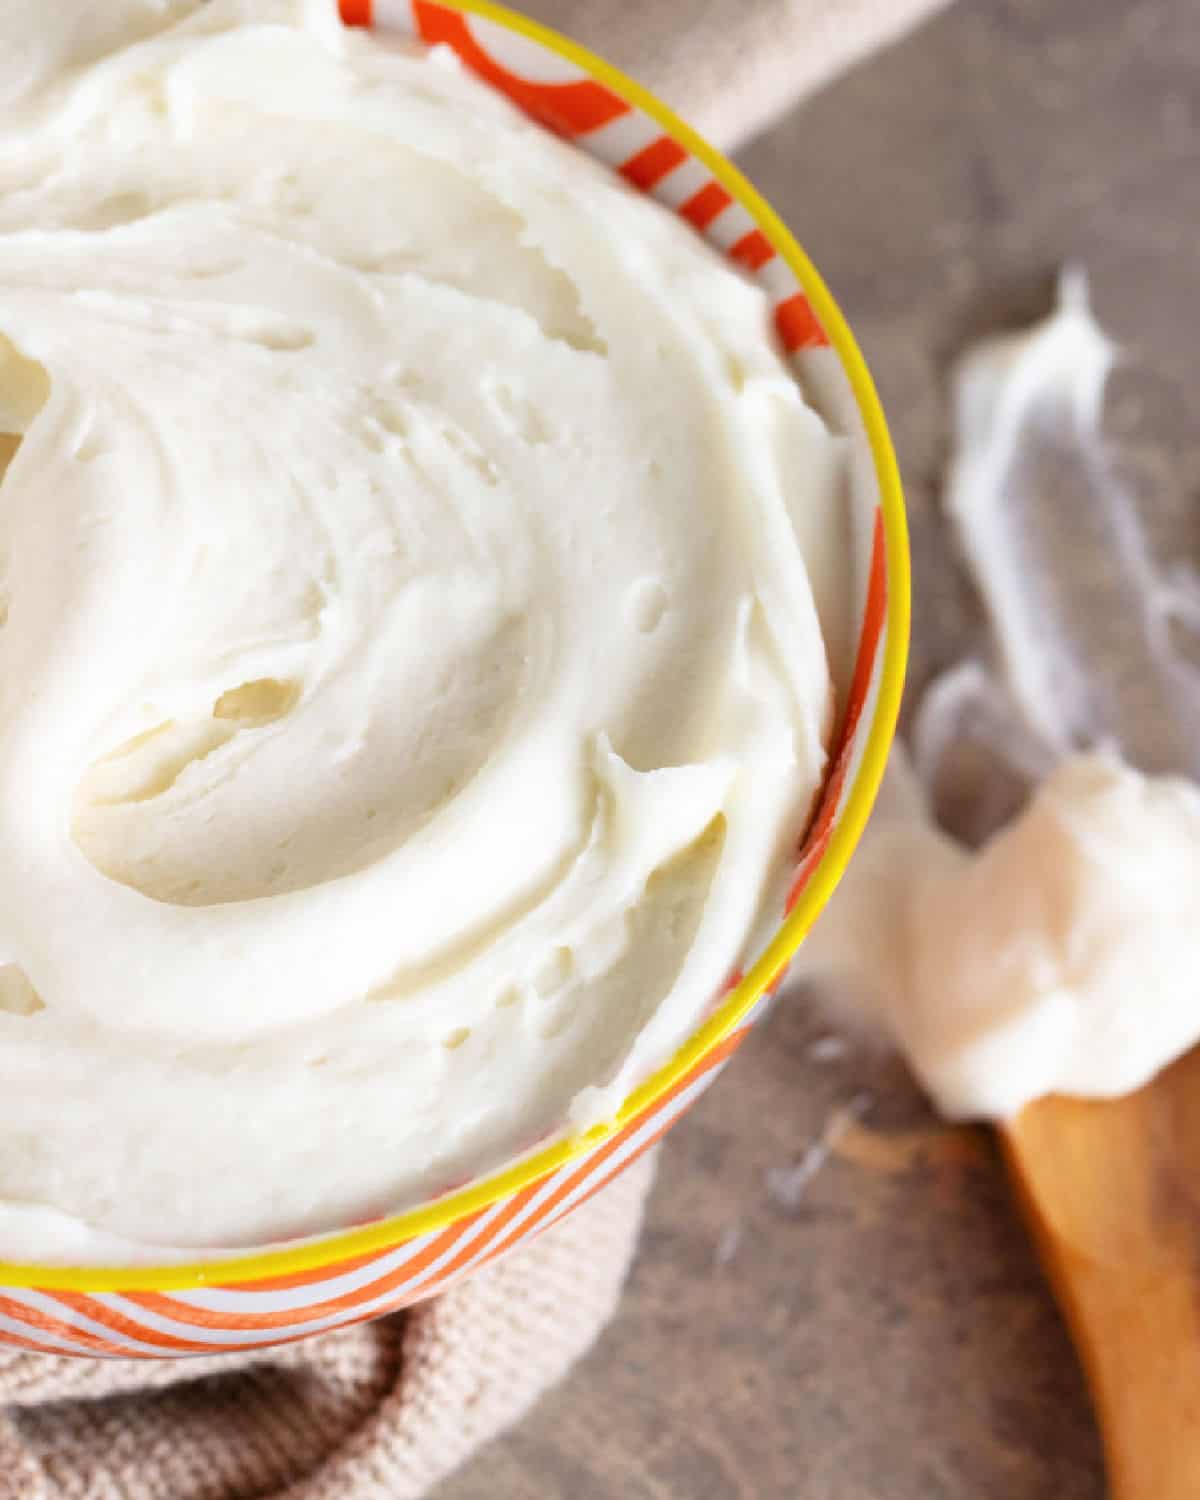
<point x="389" y="1408"/>
<point x="731" y="67"/>
<point x="384" y="1409"/>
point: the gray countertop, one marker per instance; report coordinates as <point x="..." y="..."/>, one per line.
<point x="889" y="1336"/>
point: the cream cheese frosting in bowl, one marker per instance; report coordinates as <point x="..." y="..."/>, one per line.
<point x="429" y="609"/>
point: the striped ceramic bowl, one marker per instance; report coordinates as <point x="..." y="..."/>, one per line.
<point x="291" y="1291"/>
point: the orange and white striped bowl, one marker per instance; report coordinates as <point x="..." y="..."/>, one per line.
<point x="289" y="1292"/>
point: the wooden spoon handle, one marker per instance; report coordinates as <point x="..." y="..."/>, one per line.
<point x="1115" y="1213"/>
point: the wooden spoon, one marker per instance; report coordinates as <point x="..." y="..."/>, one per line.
<point x="1111" y="1190"/>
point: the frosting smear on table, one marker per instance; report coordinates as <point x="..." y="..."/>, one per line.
<point x="1060" y="954"/>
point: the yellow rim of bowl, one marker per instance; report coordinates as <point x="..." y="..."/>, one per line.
<point x="328" y="1249"/>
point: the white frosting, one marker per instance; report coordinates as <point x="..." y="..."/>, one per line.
<point x="410" y="684"/>
<point x="1060" y="958"/>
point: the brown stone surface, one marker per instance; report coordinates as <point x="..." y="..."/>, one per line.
<point x="889" y="1336"/>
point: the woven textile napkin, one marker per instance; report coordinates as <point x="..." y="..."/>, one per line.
<point x="377" y="1412"/>
<point x="732" y="67"/>
<point x="387" y="1409"/>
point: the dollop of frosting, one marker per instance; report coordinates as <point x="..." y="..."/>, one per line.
<point x="1057" y="959"/>
<point x="411" y="690"/>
